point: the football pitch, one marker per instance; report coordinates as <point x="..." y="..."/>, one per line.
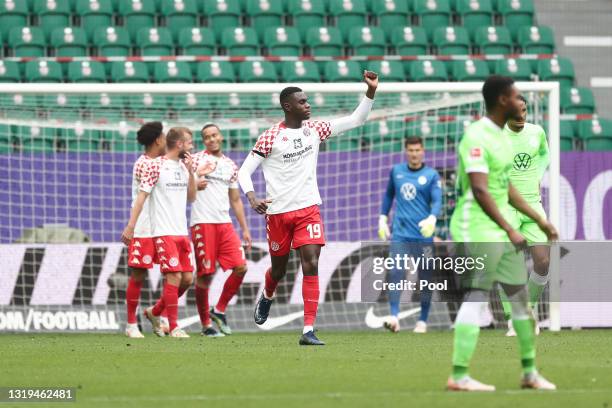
<point x="355" y="369"/>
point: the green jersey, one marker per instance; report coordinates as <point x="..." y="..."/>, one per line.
<point x="530" y="151"/>
<point x="484" y="148"/>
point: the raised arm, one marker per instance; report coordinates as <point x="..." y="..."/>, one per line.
<point x="360" y="114"/>
<point x="252" y="161"/>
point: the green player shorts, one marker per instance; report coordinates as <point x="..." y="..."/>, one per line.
<point x="502" y="263"/>
<point x="528" y="227"/>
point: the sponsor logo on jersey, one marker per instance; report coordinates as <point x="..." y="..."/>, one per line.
<point x="522" y="161"/>
<point x="476" y="152"/>
<point x="408" y="191"/>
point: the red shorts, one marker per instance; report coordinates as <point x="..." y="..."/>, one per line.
<point x="216" y="242"/>
<point x="173" y="253"/>
<point x="141" y="253"/>
<point x="294" y="229"/>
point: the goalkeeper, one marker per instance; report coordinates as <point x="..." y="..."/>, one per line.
<point x="418" y="199"/>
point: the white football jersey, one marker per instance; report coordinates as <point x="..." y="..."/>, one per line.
<point x="167" y="182"/>
<point x="290" y="165"/>
<point x="212" y="204"/>
<point x="143" y="224"/>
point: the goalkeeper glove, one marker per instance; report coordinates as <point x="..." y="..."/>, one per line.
<point x="428" y="226"/>
<point x="383" y="228"/>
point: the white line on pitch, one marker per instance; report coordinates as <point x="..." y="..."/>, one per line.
<point x="601" y="82"/>
<point x="587" y="41"/>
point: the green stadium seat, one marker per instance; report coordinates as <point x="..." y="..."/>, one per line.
<point x="257" y="71"/>
<point x="348" y="141"/>
<point x="121" y="141"/>
<point x="283" y="41"/>
<point x="432" y="14"/>
<point x="306" y="14"/>
<point x="516" y="13"/>
<point x="172" y="71"/>
<point x="432" y="133"/>
<point x="518" y="69"/>
<point x="428" y="71"/>
<point x="475" y="13"/>
<point x="390" y="14"/>
<point x="93" y="14"/>
<point x="264" y="14"/>
<point x="385" y="135"/>
<point x="493" y="40"/>
<point x="34" y="139"/>
<point x="9" y="71"/>
<point x="325" y="41"/>
<point x="566" y="132"/>
<point x="190" y="104"/>
<point x="451" y="41"/>
<point x="343" y="71"/>
<point x="6" y="139"/>
<point x="577" y="101"/>
<point x="197" y="41"/>
<point x="155" y="41"/>
<point x="129" y="71"/>
<point x="348" y="14"/>
<point x="240" y="41"/>
<point x="300" y="71"/>
<point x="51" y="14"/>
<point x="221" y="15"/>
<point x="27" y="42"/>
<point x="81" y="140"/>
<point x="147" y="102"/>
<point x="389" y="71"/>
<point x="86" y="72"/>
<point x="215" y="71"/>
<point x="409" y="40"/>
<point x="536" y="40"/>
<point x="12" y="14"/>
<point x="69" y="42"/>
<point x="112" y="42"/>
<point x="179" y="14"/>
<point x="557" y="69"/>
<point x="43" y="71"/>
<point x="268" y="101"/>
<point x="596" y="134"/>
<point x="470" y="70"/>
<point x="367" y="41"/>
<point x="136" y="15"/>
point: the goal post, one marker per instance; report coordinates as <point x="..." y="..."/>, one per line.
<point x="66" y="151"/>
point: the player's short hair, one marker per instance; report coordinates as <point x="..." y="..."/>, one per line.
<point x="412" y="140"/>
<point x="149" y="132"/>
<point x="494" y="86"/>
<point x="208" y="125"/>
<point x="176" y="134"/>
<point x="287" y="92"/>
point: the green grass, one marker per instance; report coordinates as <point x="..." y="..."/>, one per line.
<point x="355" y="369"/>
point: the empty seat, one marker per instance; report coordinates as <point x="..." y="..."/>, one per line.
<point x="179" y="14"/>
<point x="300" y="71"/>
<point x="342" y="71"/>
<point x="129" y="71"/>
<point x="197" y="41"/>
<point x="388" y="70"/>
<point x="325" y="41"/>
<point x="112" y="41"/>
<point x="367" y="41"/>
<point x="493" y="40"/>
<point x="518" y="69"/>
<point x="409" y="40"/>
<point x="35" y="139"/>
<point x="215" y="71"/>
<point x="9" y="71"/>
<point x="283" y="41"/>
<point x="451" y="40"/>
<point x="428" y="71"/>
<point x="69" y="42"/>
<point x="79" y="139"/>
<point x="536" y="40"/>
<point x="557" y="69"/>
<point x="390" y="14"/>
<point x="475" y="13"/>
<point x="136" y="15"/>
<point x="93" y="14"/>
<point x="86" y="71"/>
<point x="470" y="70"/>
<point x="567" y="135"/>
<point x="155" y="41"/>
<point x="348" y="14"/>
<point x="306" y="14"/>
<point x="516" y="13"/>
<point x="596" y="134"/>
<point x="27" y="42"/>
<point x="172" y="71"/>
<point x="577" y="100"/>
<point x="51" y="14"/>
<point x="222" y="14"/>
<point x="264" y="14"/>
<point x="12" y="14"/>
<point x="257" y="71"/>
<point x="43" y="71"/>
<point x="240" y="41"/>
<point x="432" y="14"/>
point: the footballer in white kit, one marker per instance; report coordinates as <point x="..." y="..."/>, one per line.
<point x="214" y="238"/>
<point x="288" y="155"/>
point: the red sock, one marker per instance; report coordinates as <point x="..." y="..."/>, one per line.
<point x="160" y="307"/>
<point x="270" y="285"/>
<point x="182" y="290"/>
<point x="230" y="288"/>
<point x="201" y="295"/>
<point x="171" y="303"/>
<point x="310" y="294"/>
<point x="132" y="296"/>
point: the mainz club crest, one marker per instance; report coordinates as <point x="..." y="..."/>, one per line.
<point x="306" y="132"/>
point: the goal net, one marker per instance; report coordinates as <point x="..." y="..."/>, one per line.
<point x="66" y="155"/>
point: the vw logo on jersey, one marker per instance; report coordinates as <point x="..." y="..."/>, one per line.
<point x="522" y="161"/>
<point x="408" y="191"/>
<point x="422" y="180"/>
<point x="297" y="143"/>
